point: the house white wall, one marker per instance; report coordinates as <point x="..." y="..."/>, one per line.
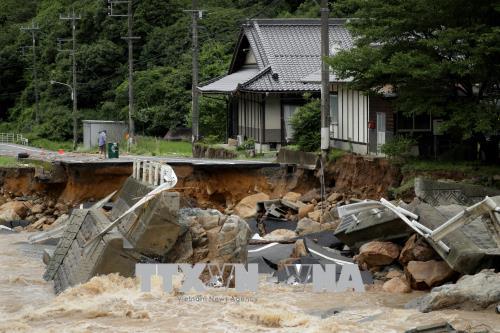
<point x="351" y="129"/>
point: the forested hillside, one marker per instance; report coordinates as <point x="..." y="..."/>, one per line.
<point x="162" y="60"/>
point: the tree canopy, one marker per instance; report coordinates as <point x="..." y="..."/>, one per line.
<point x="440" y="57"/>
<point x="162" y="61"/>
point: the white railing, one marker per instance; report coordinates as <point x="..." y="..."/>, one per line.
<point x="152" y="173"/>
<point x="13" y="138"/>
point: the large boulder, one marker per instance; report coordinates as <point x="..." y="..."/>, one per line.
<point x="13" y="210"/>
<point x="377" y="253"/>
<point x="307" y="226"/>
<point x="473" y="292"/>
<point x="247" y="207"/>
<point x="292" y="196"/>
<point x="280" y="235"/>
<point x="417" y="249"/>
<point x="397" y="284"/>
<point x="334" y="197"/>
<point x="303" y="211"/>
<point x="315" y="215"/>
<point x="312" y="195"/>
<point x="427" y="274"/>
<point x="210" y="236"/>
<point x="232" y="240"/>
<point x="38" y="208"/>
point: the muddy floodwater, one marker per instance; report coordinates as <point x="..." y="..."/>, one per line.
<point x="115" y="304"/>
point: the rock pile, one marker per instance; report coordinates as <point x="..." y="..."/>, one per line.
<point x="308" y="212"/>
<point x="401" y="270"/>
<point x="209" y="236"/>
<point x="31" y="213"/>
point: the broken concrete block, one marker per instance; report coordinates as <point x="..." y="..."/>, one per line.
<point x="378" y="253"/>
<point x="427" y="274"/>
<point x="72" y="263"/>
<point x="155" y="228"/>
<point x="438" y="193"/>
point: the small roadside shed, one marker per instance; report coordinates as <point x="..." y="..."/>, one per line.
<point x="115" y="131"/>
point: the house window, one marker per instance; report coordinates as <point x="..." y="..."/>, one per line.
<point x="288" y="111"/>
<point x="334" y="109"/>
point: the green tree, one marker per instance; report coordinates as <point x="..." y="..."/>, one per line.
<point x="306" y="124"/>
<point x="440" y="57"/>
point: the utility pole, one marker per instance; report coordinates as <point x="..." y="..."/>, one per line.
<point x="325" y="95"/>
<point x="33" y="30"/>
<point x="196" y="15"/>
<point x="73" y="17"/>
<point x="112" y="4"/>
<point x="325" y="79"/>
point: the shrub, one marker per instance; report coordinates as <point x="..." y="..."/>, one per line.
<point x="306" y="123"/>
<point x="247" y="145"/>
<point x="398" y="148"/>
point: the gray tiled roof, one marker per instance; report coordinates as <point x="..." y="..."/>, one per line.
<point x="292" y="49"/>
<point x="229" y="83"/>
<point x="287" y="52"/>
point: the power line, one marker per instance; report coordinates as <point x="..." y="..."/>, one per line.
<point x="33" y="30"/>
<point x="73" y="17"/>
<point x="196" y="15"/>
<point x="112" y="4"/>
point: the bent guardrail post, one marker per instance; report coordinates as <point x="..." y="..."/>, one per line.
<point x="466" y="216"/>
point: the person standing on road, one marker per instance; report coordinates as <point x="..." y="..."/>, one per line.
<point x="102" y="143"/>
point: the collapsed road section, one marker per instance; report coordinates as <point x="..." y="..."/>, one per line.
<point x="152" y="228"/>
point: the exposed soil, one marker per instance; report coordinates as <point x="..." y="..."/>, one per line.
<point x="208" y="187"/>
<point x="364" y="177"/>
<point x="220" y="188"/>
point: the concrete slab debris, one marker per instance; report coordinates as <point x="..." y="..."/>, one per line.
<point x="438" y="193"/>
<point x="468" y="241"/>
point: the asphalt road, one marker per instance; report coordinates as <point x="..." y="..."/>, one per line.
<point x="7" y="149"/>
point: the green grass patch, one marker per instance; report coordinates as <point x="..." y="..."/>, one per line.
<point x="51" y="145"/>
<point x="335" y="154"/>
<point x="468" y="168"/>
<point x="6" y="162"/>
<point x="406" y="188"/>
<point x="12" y="162"/>
<point x="150" y="146"/>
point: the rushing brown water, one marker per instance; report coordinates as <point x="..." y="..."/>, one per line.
<point x="115" y="304"/>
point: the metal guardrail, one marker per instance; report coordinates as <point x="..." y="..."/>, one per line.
<point x="152" y="173"/>
<point x="13" y="138"/>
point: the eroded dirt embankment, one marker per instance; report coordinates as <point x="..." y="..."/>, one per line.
<point x="68" y="183"/>
<point x="362" y="177"/>
<point x="219" y="187"/>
